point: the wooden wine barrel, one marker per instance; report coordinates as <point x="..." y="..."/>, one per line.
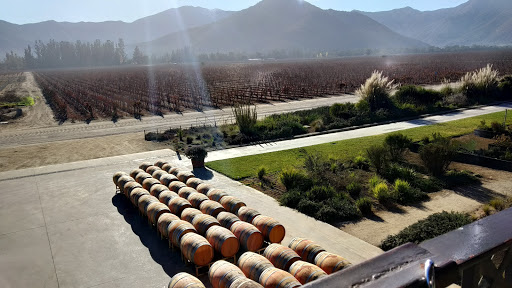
<point x="136" y="194"/>
<point x="185" y="280"/>
<point x="128" y="187"/>
<point x="203" y="222"/>
<point x="247" y="214"/>
<point x="118" y="175"/>
<point x="196" y="199"/>
<point x="306" y="249"/>
<point x="245" y="283"/>
<point x="183" y="176"/>
<point x="216" y="194"/>
<point x="175" y="186"/>
<point x="281" y="256"/>
<point x="166" y="196"/>
<point x="194" y="182"/>
<point x="222" y="274"/>
<point x="156" y="189"/>
<point x="167" y="179"/>
<point x="144" y="201"/>
<point x="306" y="272"/>
<point x="211" y="208"/>
<point x="155" y="210"/>
<point x="277" y="278"/>
<point x="142" y="176"/>
<point x="123" y="180"/>
<point x="270" y="228"/>
<point x="136" y="172"/>
<point x="177" y="229"/>
<point x="166" y="167"/>
<point x="249" y="236"/>
<point x="145" y="165"/>
<point x="163" y="221"/>
<point x="189" y="213"/>
<point x="160" y="162"/>
<point x="203" y="188"/>
<point x="330" y="263"/>
<point x="253" y="264"/>
<point x="231" y="204"/>
<point x="226" y="219"/>
<point x="175" y="170"/>
<point x="222" y="241"/>
<point x="177" y="205"/>
<point x="184" y="192"/>
<point x="158" y="174"/>
<point x="149" y="182"/>
<point x="196" y="249"/>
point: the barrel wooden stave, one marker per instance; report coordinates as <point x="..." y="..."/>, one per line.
<point x="272" y="230"/>
<point x="136" y="194"/>
<point x="247" y="214"/>
<point x="142" y="176"/>
<point x="177" y="205"/>
<point x="145" y="165"/>
<point x="135" y="172"/>
<point x="196" y="199"/>
<point x="164" y="221"/>
<point x="203" y="188"/>
<point x="306" y="249"/>
<point x="149" y="182"/>
<point x="202" y="222"/>
<point x="277" y="278"/>
<point x="231" y="204"/>
<point x="216" y="194"/>
<point x="306" y="272"/>
<point x="156" y="189"/>
<point x="222" y="241"/>
<point x="158" y="174"/>
<point x="118" y="175"/>
<point x="183" y="176"/>
<point x="194" y="182"/>
<point x="128" y="188"/>
<point x="168" y="179"/>
<point x="175" y="186"/>
<point x="249" y="236"/>
<point x="184" y="192"/>
<point x="156" y="210"/>
<point x="196" y="249"/>
<point x="159" y="163"/>
<point x="281" y="256"/>
<point x="330" y="263"/>
<point x="211" y="208"/>
<point x="253" y="264"/>
<point x="226" y="219"/>
<point x="222" y="274"/>
<point x="188" y="214"/>
<point x="166" y="196"/>
<point x="166" y="167"/>
<point x="177" y="229"/>
<point x="152" y="169"/>
<point x="245" y="283"/>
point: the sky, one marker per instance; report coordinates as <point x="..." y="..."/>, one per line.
<point x="32" y="11"/>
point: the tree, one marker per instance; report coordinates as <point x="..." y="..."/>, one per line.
<point x="138" y="56"/>
<point x="120" y="52"/>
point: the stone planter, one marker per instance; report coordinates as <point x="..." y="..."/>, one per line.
<point x="197" y="163"/>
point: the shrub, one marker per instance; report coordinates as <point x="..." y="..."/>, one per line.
<point x="361" y="162"/>
<point x="505" y="87"/>
<point x="417" y="95"/>
<point x="345" y="210"/>
<point x="396" y="171"/>
<point x="375" y="91"/>
<point x="354" y="189"/>
<point x="405" y="194"/>
<point x="457" y="178"/>
<point x="293" y="179"/>
<point x="498" y="204"/>
<point x="364" y="205"/>
<point x="321" y="193"/>
<point x="345" y="110"/>
<point x="291" y="198"/>
<point x="433" y="226"/>
<point x="397" y="143"/>
<point x="374" y="181"/>
<point x="498" y="128"/>
<point x="196" y="153"/>
<point x="437" y="155"/>
<point x="381" y="193"/>
<point x="281" y="126"/>
<point x="379" y="157"/>
<point x="309" y="207"/>
<point x="315" y="163"/>
<point x="246" y="118"/>
<point x="487" y="209"/>
<point x="261" y="172"/>
<point x="480" y="84"/>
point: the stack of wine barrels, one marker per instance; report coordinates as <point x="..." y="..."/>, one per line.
<point x="203" y="221"/>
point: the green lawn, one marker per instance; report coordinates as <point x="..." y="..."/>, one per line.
<point x="242" y="167"/>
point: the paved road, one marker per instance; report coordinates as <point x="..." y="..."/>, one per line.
<point x="69" y="131"/>
<point x="62" y="226"/>
<point x="362" y="132"/>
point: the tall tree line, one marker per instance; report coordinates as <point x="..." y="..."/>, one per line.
<point x="55" y="54"/>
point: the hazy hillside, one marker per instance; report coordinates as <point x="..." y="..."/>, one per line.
<point x="286" y="24"/>
<point x="16" y="37"/>
<point x="481" y="22"/>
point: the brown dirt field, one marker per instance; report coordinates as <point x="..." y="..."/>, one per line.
<point x="74" y="150"/>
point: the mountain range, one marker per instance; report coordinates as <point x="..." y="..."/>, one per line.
<point x="283" y="25"/>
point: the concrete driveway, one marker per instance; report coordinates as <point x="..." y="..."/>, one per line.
<point x="63" y="226"/>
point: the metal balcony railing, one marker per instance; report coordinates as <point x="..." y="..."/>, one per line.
<point x="476" y="255"/>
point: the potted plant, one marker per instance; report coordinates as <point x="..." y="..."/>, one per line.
<point x="197" y="155"/>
